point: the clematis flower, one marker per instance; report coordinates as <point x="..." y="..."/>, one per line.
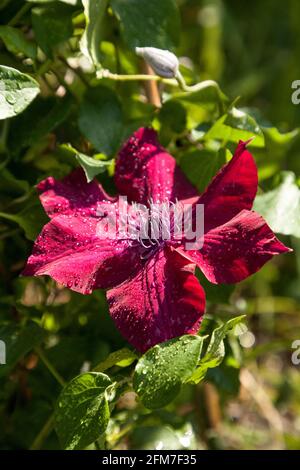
<point x="152" y="297"/>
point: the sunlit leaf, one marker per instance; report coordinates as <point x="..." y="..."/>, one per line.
<point x="215" y="351"/>
<point x="162" y="370"/>
<point x="234" y="126"/>
<point x="82" y="410"/>
<point x="281" y="206"/>
<point x="94" y="11"/>
<point x="17" y="90"/>
<point x="202" y="104"/>
<point x="123" y="357"/>
<point x="91" y="166"/>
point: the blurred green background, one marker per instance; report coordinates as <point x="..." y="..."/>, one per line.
<point x="251" y="401"/>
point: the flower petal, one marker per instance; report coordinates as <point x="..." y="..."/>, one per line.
<point x="69" y="250"/>
<point x="163" y="300"/>
<point x="232" y="189"/>
<point x="72" y="194"/>
<point x="236" y="249"/>
<point x="144" y="171"/>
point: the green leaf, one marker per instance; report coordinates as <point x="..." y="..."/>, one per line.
<point x="94" y="11"/>
<point x="281" y="206"/>
<point x="225" y="377"/>
<point x="201" y="105"/>
<point x="17" y="90"/>
<point x="201" y="165"/>
<point x="15" y="41"/>
<point x="234" y="126"/>
<point x="52" y="25"/>
<point x="31" y="219"/>
<point x="172" y="121"/>
<point x="123" y="358"/>
<point x="215" y="351"/>
<point x="82" y="411"/>
<point x="101" y="119"/>
<point x="215" y="293"/>
<point x="173" y="116"/>
<point x="277" y="143"/>
<point x="91" y="166"/>
<point x="47" y="114"/>
<point x="10" y="185"/>
<point x="148" y="23"/>
<point x="18" y="342"/>
<point x="162" y="370"/>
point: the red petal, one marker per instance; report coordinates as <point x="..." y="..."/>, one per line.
<point x="232" y="189"/>
<point x="162" y="301"/>
<point x="72" y="194"/>
<point x="144" y="171"/>
<point x="69" y="250"/>
<point x="236" y="249"/>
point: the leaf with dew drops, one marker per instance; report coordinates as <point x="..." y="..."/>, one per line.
<point x="17" y="90"/>
<point x="162" y="370"/>
<point x="82" y="410"/>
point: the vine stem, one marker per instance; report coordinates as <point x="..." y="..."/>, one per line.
<point x="134" y="77"/>
<point x="198" y="86"/>
<point x="49" y="424"/>
<point x="43" y="434"/>
<point x="49" y="366"/>
<point x="177" y="81"/>
<point x="19" y="14"/>
<point x="44" y="67"/>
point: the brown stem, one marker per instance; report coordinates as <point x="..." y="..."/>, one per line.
<point x="151" y="88"/>
<point x="212" y="404"/>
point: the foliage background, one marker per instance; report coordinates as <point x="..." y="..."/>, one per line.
<point x="251" y="400"/>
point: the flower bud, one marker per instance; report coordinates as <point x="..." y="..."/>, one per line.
<point x="164" y="63"/>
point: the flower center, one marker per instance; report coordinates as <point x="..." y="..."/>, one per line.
<point x="155" y="226"/>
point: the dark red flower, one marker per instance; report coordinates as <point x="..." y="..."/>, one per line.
<point x="155" y="297"/>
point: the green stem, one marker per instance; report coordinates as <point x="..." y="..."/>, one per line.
<point x="48" y="426"/>
<point x="49" y="366"/>
<point x="19" y="15"/>
<point x="45" y="67"/>
<point x="179" y="80"/>
<point x="43" y="434"/>
<point x="136" y="77"/>
<point x="113" y="441"/>
<point x="199" y="86"/>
